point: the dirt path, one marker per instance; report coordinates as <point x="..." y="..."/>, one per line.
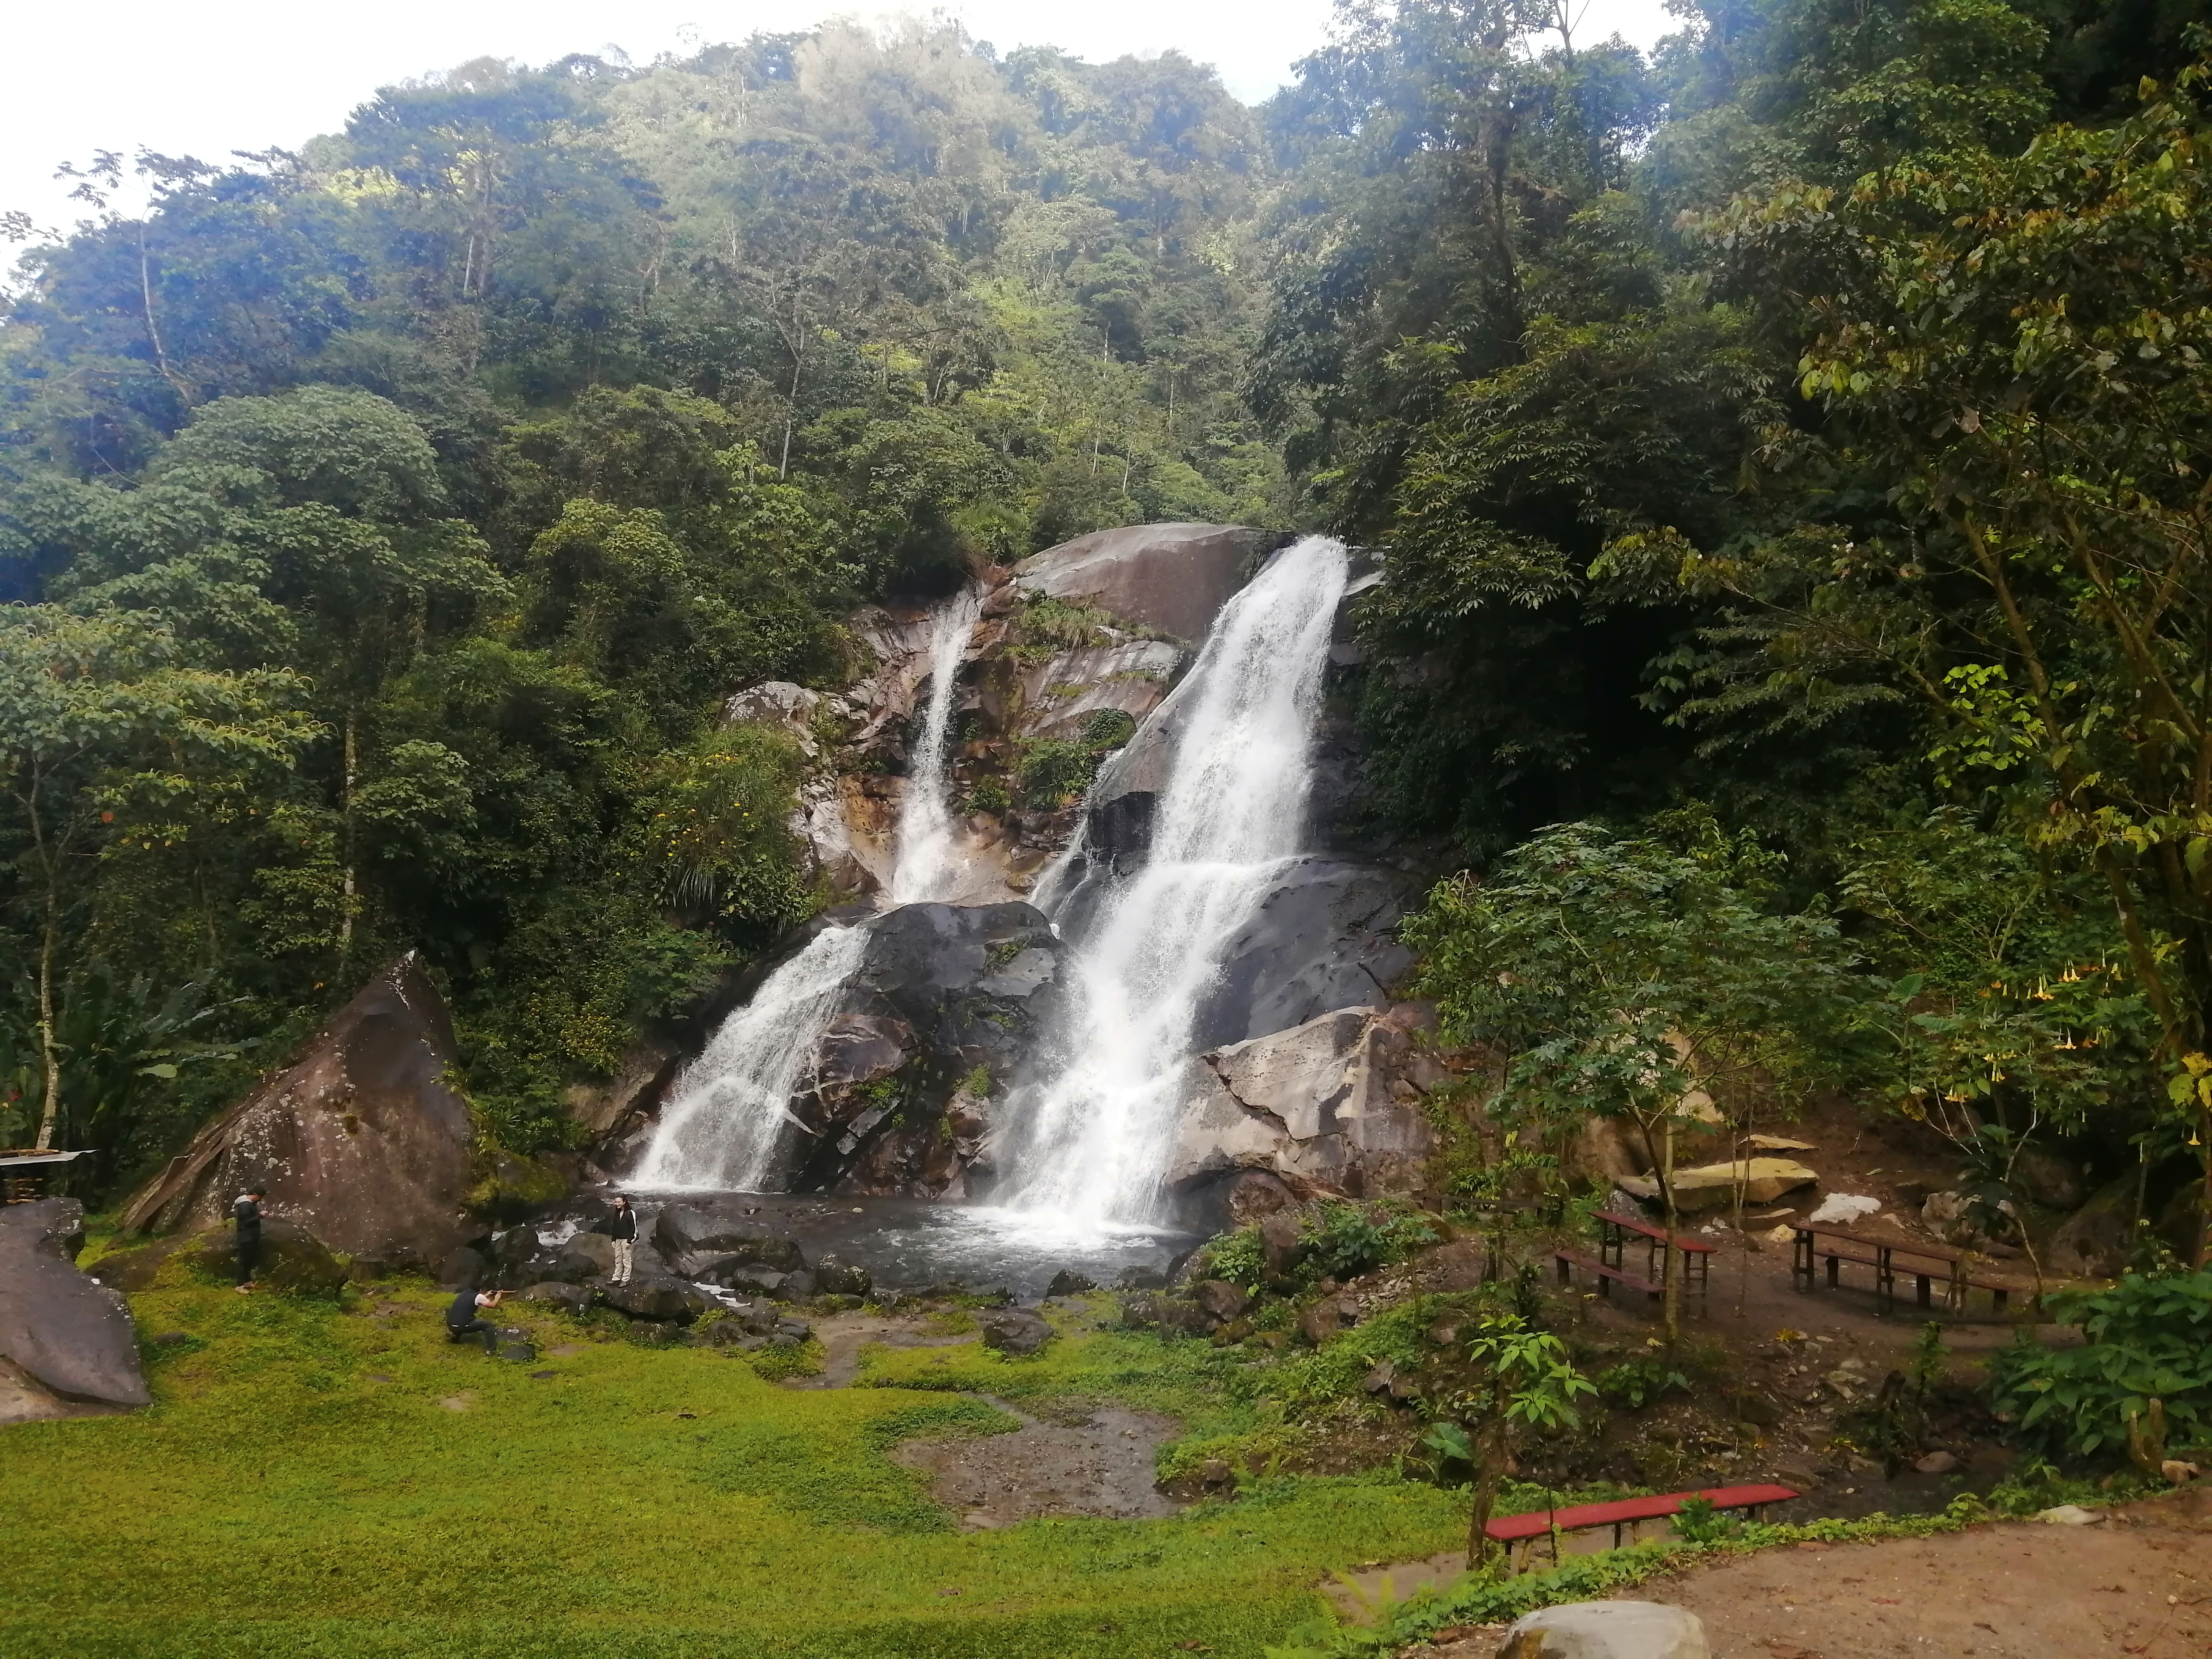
<point x="2138" y="1583"/>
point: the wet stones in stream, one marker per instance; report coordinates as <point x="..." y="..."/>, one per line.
<point x="1102" y="1464"/>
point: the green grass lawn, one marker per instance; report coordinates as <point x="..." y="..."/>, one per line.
<point x="278" y="1499"/>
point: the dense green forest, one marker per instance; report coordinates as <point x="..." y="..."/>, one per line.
<point x="1790" y="448"/>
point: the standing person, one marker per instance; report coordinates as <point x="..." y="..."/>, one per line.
<point x="621" y="1227"/>
<point x="464" y="1320"/>
<point x="246" y="1214"/>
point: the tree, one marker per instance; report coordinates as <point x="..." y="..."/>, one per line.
<point x="1615" y="976"/>
<point x="106" y="735"/>
<point x="2012" y="341"/>
<point x="1521" y="1378"/>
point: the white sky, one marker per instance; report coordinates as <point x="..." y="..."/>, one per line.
<point x="205" y="77"/>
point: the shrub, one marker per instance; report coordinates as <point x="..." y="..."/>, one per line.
<point x="1238" y="1258"/>
<point x="1635" y="1383"/>
<point x="1349" y="1240"/>
<point x="2148" y="1340"/>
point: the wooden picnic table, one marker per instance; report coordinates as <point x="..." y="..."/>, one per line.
<point x="1881" y="1253"/>
<point x="1609" y="1268"/>
<point x="1615" y="1230"/>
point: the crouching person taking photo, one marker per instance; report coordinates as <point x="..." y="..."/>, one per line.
<point x="465" y="1320"/>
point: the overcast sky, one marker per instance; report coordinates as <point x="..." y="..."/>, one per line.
<point x="205" y="77"/>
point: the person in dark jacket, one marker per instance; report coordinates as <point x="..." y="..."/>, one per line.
<point x="246" y="1214"/>
<point x="465" y="1320"/>
<point x="621" y="1227"/>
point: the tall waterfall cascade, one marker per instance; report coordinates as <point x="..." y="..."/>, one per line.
<point x="1089" y="1146"/>
<point x="927" y="864"/>
<point x="729" y="1121"/>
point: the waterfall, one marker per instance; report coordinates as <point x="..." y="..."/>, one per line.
<point x="928" y="865"/>
<point x="728" y="1122"/>
<point x="1092" y="1142"/>
<point x="730" y="1112"/>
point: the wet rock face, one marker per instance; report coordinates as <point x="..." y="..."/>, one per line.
<point x="1323" y="938"/>
<point x="1174" y="577"/>
<point x="66" y="1337"/>
<point x="360" y="1140"/>
<point x="946" y="1000"/>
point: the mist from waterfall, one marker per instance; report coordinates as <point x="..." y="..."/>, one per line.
<point x="728" y="1124"/>
<point x="927" y="864"/>
<point x="1089" y="1145"/>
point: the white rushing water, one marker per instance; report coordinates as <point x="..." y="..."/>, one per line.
<point x="729" y="1116"/>
<point x="928" y="865"/>
<point x="1092" y="1143"/>
<point x="728" y="1124"/>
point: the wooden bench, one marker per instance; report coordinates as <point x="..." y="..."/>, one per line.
<point x="1871" y="1250"/>
<point x="1615" y="1229"/>
<point x="1510" y="1530"/>
<point x="1607" y="1273"/>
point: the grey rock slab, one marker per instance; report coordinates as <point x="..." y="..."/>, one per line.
<point x="1174" y="577"/>
<point x="1321" y="937"/>
<point x="1606" y="1630"/>
<point x="1015" y="1331"/>
<point x="71" y="1337"/>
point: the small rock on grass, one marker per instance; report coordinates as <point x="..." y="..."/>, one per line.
<point x="1936" y="1463"/>
<point x="2070" y="1515"/>
<point x="1015" y="1331"/>
<point x="1606" y="1630"/>
<point x="1068" y="1282"/>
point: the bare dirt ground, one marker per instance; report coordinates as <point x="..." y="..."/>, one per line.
<point x="2138" y="1583"/>
<point x="1100" y="1465"/>
<point x="1091" y="1460"/>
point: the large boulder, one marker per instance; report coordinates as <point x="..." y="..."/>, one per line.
<point x="1173" y="577"/>
<point x="1606" y="1630"/>
<point x="64" y="1336"/>
<point x="1015" y="1331"/>
<point x="361" y="1139"/>
<point x="707" y="1234"/>
<point x="2097" y="1238"/>
<point x="291" y="1259"/>
<point x="527" y="1254"/>
<point x="1330" y="1105"/>
<point x="1323" y="937"/>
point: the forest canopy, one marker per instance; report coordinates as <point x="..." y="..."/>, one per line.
<point x="1788" y="446"/>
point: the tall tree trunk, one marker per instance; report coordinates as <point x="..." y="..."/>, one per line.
<point x="1489" y="1469"/>
<point x="50" y="1052"/>
<point x="345" y="918"/>
<point x="50" y="873"/>
<point x="1671" y="1282"/>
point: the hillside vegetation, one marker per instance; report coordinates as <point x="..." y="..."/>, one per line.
<point x="1790" y="450"/>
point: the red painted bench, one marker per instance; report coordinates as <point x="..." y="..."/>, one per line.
<point x="1626" y="1511"/>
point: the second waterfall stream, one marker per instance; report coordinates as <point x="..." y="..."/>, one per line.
<point x="729" y="1121"/>
<point x="1089" y="1146"/>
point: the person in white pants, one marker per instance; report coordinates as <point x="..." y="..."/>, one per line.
<point x="621" y="1227"/>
